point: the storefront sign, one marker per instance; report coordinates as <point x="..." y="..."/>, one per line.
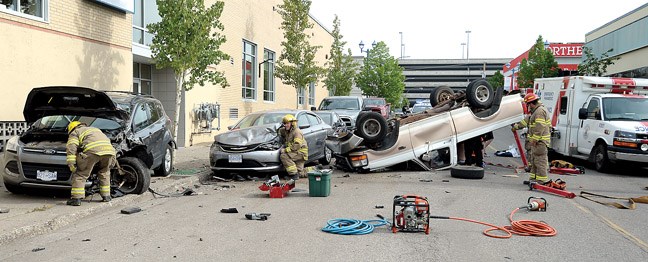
<point x="567" y="50"/>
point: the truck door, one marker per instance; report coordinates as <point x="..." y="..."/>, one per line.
<point x="589" y="128"/>
<point x="562" y="119"/>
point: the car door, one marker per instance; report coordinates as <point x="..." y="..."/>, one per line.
<point x="143" y="128"/>
<point x="589" y="130"/>
<point x="307" y="130"/>
<point x="318" y="137"/>
<point x="157" y="131"/>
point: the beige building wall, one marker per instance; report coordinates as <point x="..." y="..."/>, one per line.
<point x="258" y="22"/>
<point x="81" y="44"/>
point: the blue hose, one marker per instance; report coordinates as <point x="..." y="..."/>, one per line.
<point x="346" y="226"/>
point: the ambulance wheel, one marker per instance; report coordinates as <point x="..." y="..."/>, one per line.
<point x="440" y="94"/>
<point x="480" y="94"/>
<point x="135" y="179"/>
<point x="371" y="126"/>
<point x="600" y="157"/>
<point x="467" y="172"/>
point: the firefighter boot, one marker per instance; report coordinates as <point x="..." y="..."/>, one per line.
<point x="74" y="202"/>
<point x="106" y="198"/>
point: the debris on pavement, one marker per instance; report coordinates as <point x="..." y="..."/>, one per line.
<point x="38" y="249"/>
<point x="85" y="240"/>
<point x="514" y="176"/>
<point x="4" y="210"/>
<point x="255" y="216"/>
<point x="425" y="180"/>
<point x="380" y="206"/>
<point x="229" y="210"/>
<point x="445" y="181"/>
<point x="130" y="210"/>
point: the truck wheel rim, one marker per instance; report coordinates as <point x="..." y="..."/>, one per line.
<point x="482" y="93"/>
<point x="371" y="128"/>
<point x="328" y="154"/>
<point x="444" y="96"/>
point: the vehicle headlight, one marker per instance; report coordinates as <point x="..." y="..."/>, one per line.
<point x="215" y="147"/>
<point x="12" y="145"/>
<point x="624" y="134"/>
<point x="270" y="146"/>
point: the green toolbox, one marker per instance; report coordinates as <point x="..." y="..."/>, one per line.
<point x="319" y="183"/>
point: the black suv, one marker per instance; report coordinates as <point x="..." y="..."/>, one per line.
<point x="136" y="124"/>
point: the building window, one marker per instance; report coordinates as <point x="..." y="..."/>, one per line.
<point x="142" y="78"/>
<point x="300" y="96"/>
<point x="311" y="93"/>
<point x="145" y="13"/>
<point x="268" y="75"/>
<point x="27" y="8"/>
<point x="249" y="70"/>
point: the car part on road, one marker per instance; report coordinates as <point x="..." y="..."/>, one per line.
<point x="411" y="214"/>
<point x="229" y="210"/>
<point x="467" y="172"/>
<point x="130" y="210"/>
<point x="4" y="210"/>
<point x="255" y="216"/>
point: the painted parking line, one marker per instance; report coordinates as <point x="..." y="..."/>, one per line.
<point x="637" y="241"/>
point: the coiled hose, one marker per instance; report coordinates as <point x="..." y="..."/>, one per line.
<point x="518" y="227"/>
<point x="346" y="226"/>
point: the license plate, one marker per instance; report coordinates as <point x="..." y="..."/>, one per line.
<point x="235" y="158"/>
<point x="46" y="175"/>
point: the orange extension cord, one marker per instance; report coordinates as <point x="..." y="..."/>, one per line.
<point x="518" y="227"/>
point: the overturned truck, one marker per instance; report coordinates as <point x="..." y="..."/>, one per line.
<point x="429" y="138"/>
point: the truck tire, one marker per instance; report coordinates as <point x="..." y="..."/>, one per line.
<point x="480" y="94"/>
<point x="600" y="158"/>
<point x="467" y="172"/>
<point x="166" y="166"/>
<point x="440" y="94"/>
<point x="371" y="126"/>
<point x="136" y="178"/>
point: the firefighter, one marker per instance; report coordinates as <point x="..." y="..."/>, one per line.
<point x="539" y="137"/>
<point x="294" y="153"/>
<point x="87" y="147"/>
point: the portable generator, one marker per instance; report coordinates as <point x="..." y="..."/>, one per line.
<point x="411" y="214"/>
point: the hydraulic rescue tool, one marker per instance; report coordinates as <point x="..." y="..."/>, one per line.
<point x="552" y="190"/>
<point x="411" y="214"/>
<point x="276" y="188"/>
<point x="536" y="204"/>
<point x="562" y="167"/>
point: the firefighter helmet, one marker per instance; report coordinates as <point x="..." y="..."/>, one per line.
<point x="289" y="118"/>
<point x="72" y="125"/>
<point x="530" y="97"/>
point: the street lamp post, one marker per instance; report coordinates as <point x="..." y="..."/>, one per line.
<point x="362" y="45"/>
<point x="402" y="46"/>
<point x="463" y="49"/>
<point x="468" y="52"/>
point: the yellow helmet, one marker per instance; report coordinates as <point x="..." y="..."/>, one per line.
<point x="72" y="125"/>
<point x="289" y="118"/>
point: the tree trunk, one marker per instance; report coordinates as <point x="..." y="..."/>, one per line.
<point x="179" y="82"/>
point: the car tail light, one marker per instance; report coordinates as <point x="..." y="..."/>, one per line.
<point x="358" y="161"/>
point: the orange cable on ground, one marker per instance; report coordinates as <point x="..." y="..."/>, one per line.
<point x="518" y="227"/>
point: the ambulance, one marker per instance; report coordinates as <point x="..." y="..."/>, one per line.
<point x="600" y="119"/>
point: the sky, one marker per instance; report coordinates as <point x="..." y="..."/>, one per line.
<point x="435" y="29"/>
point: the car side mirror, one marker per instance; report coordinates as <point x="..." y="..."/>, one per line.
<point x="313" y="108"/>
<point x="304" y="126"/>
<point x="582" y="113"/>
<point x="230" y="127"/>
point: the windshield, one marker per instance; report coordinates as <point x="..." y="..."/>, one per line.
<point x="418" y="109"/>
<point x="60" y="123"/>
<point x="333" y="104"/>
<point x="260" y="119"/>
<point x="374" y="102"/>
<point x="625" y="108"/>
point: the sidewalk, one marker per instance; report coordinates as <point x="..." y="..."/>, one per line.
<point x="33" y="215"/>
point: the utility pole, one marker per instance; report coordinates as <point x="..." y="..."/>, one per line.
<point x="402" y="46"/>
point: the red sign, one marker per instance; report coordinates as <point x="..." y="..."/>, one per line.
<point x="567" y="50"/>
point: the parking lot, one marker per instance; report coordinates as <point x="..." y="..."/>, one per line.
<point x="193" y="227"/>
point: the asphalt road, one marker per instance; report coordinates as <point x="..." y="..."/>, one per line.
<point x="193" y="228"/>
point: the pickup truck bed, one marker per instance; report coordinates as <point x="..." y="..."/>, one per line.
<point x="428" y="139"/>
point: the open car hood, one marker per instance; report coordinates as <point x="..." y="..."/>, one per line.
<point x="248" y="136"/>
<point x="70" y="100"/>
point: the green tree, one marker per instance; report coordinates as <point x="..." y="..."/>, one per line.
<point x="595" y="66"/>
<point x="341" y="69"/>
<point x="186" y="40"/>
<point x="381" y="75"/>
<point x="496" y="80"/>
<point x="296" y="65"/>
<point x="540" y="63"/>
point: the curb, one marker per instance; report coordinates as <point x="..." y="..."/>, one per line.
<point x="67" y="219"/>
